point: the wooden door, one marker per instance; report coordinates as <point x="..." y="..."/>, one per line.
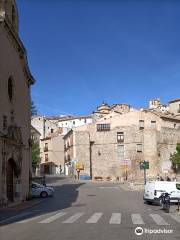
<point x="9" y="181"/>
<point x="46" y="169"/>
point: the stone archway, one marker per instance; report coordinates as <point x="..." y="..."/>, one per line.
<point x="10" y="180"/>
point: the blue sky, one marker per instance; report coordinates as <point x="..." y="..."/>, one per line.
<point x="84" y="52"/>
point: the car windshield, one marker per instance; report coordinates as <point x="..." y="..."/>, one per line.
<point x="37" y="185"/>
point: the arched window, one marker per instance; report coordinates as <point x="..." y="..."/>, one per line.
<point x="10" y="89"/>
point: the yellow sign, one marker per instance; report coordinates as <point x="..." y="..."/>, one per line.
<point x="79" y="166"/>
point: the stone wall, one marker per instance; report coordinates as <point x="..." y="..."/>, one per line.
<point x="157" y="144"/>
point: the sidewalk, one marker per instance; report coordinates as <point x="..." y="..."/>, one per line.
<point x="17" y="206"/>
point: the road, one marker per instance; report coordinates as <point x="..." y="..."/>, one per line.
<point x="90" y="211"/>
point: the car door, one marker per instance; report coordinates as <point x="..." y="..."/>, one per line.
<point x="175" y="193"/>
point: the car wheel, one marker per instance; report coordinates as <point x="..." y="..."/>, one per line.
<point x="44" y="194"/>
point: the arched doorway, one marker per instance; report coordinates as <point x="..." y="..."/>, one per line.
<point x="9" y="180"/>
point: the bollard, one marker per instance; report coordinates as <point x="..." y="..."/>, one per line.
<point x="178" y="205"/>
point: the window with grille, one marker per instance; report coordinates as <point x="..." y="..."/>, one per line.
<point x="4" y="122"/>
<point x="103" y="127"/>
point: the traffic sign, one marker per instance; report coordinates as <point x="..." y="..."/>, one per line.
<point x="144" y="165"/>
<point x="79" y="166"/>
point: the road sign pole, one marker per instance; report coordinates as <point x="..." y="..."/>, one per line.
<point x="144" y="176"/>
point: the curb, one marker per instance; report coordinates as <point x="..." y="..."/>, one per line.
<point x="22" y="206"/>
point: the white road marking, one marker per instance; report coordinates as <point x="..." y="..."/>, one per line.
<point x="33" y="218"/>
<point x="158" y="219"/>
<point x="94" y="218"/>
<point x="15" y="217"/>
<point x="137" y="219"/>
<point x="53" y="218"/>
<point x="176" y="218"/>
<point x="73" y="218"/>
<point x="115" y="218"/>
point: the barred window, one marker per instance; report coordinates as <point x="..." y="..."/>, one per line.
<point x="4" y="122"/>
<point x="103" y="127"/>
<point x="10" y="89"/>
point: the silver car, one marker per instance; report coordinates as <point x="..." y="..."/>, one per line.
<point x="39" y="190"/>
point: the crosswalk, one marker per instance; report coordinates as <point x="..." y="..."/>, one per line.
<point x="115" y="218"/>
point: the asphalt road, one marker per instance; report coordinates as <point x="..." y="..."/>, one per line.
<point x="90" y="211"/>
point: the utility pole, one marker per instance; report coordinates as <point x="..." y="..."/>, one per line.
<point x="144" y="165"/>
<point x="144" y="176"/>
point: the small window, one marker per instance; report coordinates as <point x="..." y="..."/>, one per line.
<point x="178" y="186"/>
<point x="4" y="122"/>
<point x="46" y="147"/>
<point x="73" y="122"/>
<point x="153" y="124"/>
<point x="120" y="137"/>
<point x="103" y="127"/>
<point x="12" y="116"/>
<point x="174" y="125"/>
<point x="139" y="148"/>
<point x="141" y="124"/>
<point x="46" y="158"/>
<point x="10" y="89"/>
<point x="84" y="120"/>
<point x="52" y="130"/>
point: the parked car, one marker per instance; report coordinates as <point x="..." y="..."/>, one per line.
<point x="39" y="190"/>
<point x="154" y="189"/>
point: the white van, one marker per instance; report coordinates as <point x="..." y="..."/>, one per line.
<point x="154" y="189"/>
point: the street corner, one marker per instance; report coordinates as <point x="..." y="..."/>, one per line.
<point x="21" y="205"/>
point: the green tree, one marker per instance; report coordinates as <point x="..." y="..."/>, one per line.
<point x="35" y="155"/>
<point x="33" y="109"/>
<point x="175" y="159"/>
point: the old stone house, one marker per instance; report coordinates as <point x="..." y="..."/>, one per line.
<point x="113" y="146"/>
<point x="15" y="135"/>
<point x="52" y="153"/>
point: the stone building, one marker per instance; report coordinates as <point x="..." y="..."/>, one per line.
<point x="172" y="107"/>
<point x="52" y="130"/>
<point x="73" y="121"/>
<point x="35" y="135"/>
<point x="15" y="128"/>
<point x="52" y="153"/>
<point x="112" y="147"/>
<point x="43" y="125"/>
